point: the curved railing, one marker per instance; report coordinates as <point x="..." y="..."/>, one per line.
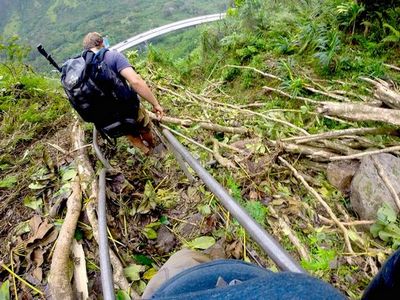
<point x="153" y="33"/>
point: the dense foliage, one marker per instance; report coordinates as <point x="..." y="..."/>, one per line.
<point x="60" y="25"/>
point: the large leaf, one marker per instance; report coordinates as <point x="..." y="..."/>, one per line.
<point x="33" y="203"/>
<point x="122" y="295"/>
<point x="133" y="272"/>
<point x="203" y="242"/>
<point x="5" y="290"/>
<point x="8" y="182"/>
<point x="386" y="214"/>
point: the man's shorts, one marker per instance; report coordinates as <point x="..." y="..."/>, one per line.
<point x="143" y="120"/>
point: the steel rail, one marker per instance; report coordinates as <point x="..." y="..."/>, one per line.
<point x="150" y="34"/>
<point x="106" y="274"/>
<point x="274" y="250"/>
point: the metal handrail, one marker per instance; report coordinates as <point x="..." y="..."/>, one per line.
<point x="274" y="250"/>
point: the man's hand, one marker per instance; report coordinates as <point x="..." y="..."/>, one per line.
<point x="159" y="111"/>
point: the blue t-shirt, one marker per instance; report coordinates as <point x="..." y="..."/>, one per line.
<point x="116" y="61"/>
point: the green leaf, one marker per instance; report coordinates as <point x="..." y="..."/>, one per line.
<point x="150" y="233"/>
<point x="68" y="175"/>
<point x="122" y="295"/>
<point x="386" y="214"/>
<point x="5" y="290"/>
<point x="164" y="220"/>
<point x="203" y="242"/>
<point x="375" y="228"/>
<point x="133" y="272"/>
<point x="143" y="260"/>
<point x="33" y="203"/>
<point x="36" y="186"/>
<point x="205" y="210"/>
<point x="8" y="182"/>
<point x="149" y="273"/>
<point x="78" y="234"/>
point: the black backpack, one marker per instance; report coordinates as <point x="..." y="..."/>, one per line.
<point x="100" y="95"/>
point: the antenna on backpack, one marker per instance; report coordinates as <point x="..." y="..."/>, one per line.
<point x="48" y="57"/>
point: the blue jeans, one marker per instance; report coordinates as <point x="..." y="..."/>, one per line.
<point x="199" y="282"/>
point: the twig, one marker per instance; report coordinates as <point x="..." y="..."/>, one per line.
<point x="236" y="109"/>
<point x="323" y="203"/>
<point x="331" y="95"/>
<point x="392" y="67"/>
<point x="58" y="148"/>
<point x="187" y="138"/>
<point x="202" y="124"/>
<point x="287" y="230"/>
<point x="267" y="88"/>
<point x="22" y="280"/>
<point x="386" y="180"/>
<point x="334" y="134"/>
<point x="353" y="223"/>
<point x="220" y="159"/>
<point x="366" y="153"/>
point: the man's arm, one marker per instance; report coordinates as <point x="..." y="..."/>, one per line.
<point x="140" y="86"/>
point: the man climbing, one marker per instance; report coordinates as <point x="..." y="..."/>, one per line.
<point x="143" y="137"/>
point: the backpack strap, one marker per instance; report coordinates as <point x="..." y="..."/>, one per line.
<point x="99" y="56"/>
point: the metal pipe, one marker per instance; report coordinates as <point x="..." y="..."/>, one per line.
<point x="107" y="283"/>
<point x="275" y="251"/>
<point x="99" y="154"/>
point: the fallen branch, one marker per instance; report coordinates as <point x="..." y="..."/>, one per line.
<point x="360" y="112"/>
<point x="59" y="279"/>
<point x="204" y="125"/>
<point x="89" y="185"/>
<point x="392" y="67"/>
<point x="362" y="154"/>
<point x="330" y="95"/>
<point x="353" y="223"/>
<point x="187" y="138"/>
<point x="385" y="93"/>
<point x="386" y="180"/>
<point x="335" y="134"/>
<point x="323" y="203"/>
<point x="312" y="152"/>
<point x="220" y="159"/>
<point x="287" y="230"/>
<point x="270" y="89"/>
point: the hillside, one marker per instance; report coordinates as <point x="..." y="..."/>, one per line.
<point x="289" y="105"/>
<point x="60" y="25"/>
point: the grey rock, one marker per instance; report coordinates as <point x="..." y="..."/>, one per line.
<point x="341" y="173"/>
<point x="368" y="190"/>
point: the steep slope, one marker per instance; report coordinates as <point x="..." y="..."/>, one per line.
<point x="246" y="104"/>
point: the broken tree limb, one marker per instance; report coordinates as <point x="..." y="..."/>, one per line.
<point x="204" y="125"/>
<point x="314" y="153"/>
<point x="288" y="231"/>
<point x="386" y="180"/>
<point x="362" y="154"/>
<point x="270" y="89"/>
<point x="335" y="134"/>
<point x="323" y="203"/>
<point x="89" y="186"/>
<point x="360" y="112"/>
<point x="220" y="159"/>
<point x="392" y="67"/>
<point x="59" y="279"/>
<point x="188" y="138"/>
<point x="384" y="92"/>
<point x="330" y="95"/>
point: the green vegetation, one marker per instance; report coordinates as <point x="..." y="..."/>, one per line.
<point x="264" y="69"/>
<point x="60" y="25"/>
